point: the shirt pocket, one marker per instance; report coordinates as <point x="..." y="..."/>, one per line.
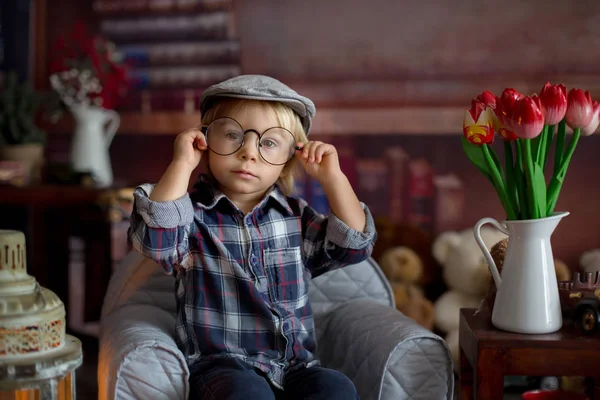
<point x="285" y="274"/>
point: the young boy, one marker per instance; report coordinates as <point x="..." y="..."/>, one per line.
<point x="242" y="250"/>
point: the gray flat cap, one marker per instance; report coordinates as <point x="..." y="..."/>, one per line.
<point x="260" y="87"/>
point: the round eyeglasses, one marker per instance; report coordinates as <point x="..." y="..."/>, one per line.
<point x="225" y="136"/>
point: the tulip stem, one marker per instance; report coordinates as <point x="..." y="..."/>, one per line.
<point x="559" y="176"/>
<point x="549" y="138"/>
<point x="533" y="210"/>
<point x="520" y="183"/>
<point x="540" y="145"/>
<point x="498" y="182"/>
<point x="560" y="144"/>
<point x="511" y="184"/>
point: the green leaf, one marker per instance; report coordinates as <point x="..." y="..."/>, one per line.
<point x="511" y="183"/>
<point x="539" y="186"/>
<point x="475" y="154"/>
<point x="495" y="158"/>
<point x="535" y="146"/>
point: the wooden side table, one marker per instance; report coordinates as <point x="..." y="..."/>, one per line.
<point x="49" y="214"/>
<point x="488" y="354"/>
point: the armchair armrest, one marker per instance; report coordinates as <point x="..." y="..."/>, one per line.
<point x="139" y="358"/>
<point x="386" y="354"/>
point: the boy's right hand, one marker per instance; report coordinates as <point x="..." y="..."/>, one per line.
<point x="189" y="147"/>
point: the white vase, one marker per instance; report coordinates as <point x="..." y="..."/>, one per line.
<point x="95" y="128"/>
<point x="527" y="299"/>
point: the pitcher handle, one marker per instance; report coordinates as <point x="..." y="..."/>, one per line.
<point x="113" y="126"/>
<point x="486" y="253"/>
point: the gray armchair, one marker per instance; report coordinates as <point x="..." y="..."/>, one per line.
<point x="359" y="332"/>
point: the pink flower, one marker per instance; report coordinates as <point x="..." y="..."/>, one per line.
<point x="554" y="103"/>
<point x="579" y="109"/>
<point x="526" y="118"/>
<point x="593" y="125"/>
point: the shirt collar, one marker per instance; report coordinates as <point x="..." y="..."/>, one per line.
<point x="206" y="195"/>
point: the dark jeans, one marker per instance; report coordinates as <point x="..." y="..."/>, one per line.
<point x="232" y="379"/>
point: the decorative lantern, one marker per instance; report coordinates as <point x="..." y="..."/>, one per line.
<point x="37" y="359"/>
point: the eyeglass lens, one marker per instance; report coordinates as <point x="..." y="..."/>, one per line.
<point x="225" y="136"/>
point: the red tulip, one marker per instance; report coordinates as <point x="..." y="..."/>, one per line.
<point x="593" y="125"/>
<point x="507" y="135"/>
<point x="488" y="99"/>
<point x="554" y="103"/>
<point x="478" y="124"/>
<point x="499" y="126"/>
<point x="526" y="118"/>
<point x="505" y="105"/>
<point x="579" y="109"/>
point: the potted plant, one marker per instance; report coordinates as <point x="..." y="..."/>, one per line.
<point x="89" y="79"/>
<point x="531" y="128"/>
<point x="20" y="138"/>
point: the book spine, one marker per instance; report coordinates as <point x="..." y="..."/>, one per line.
<point x="449" y="203"/>
<point x="420" y="194"/>
<point x="182" y="77"/>
<point x="372" y="185"/>
<point x="397" y="162"/>
<point x="347" y="157"/>
<point x="115" y="7"/>
<point x="211" y="53"/>
<point x="211" y="26"/>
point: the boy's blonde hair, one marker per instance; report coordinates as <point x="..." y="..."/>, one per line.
<point x="286" y="118"/>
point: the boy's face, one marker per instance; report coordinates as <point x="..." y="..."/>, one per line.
<point x="244" y="175"/>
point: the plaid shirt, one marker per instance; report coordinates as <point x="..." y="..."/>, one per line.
<point x="242" y="280"/>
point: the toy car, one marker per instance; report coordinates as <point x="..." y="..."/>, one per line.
<point x="580" y="301"/>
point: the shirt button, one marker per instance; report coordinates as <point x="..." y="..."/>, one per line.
<point x="253" y="259"/>
<point x="286" y="326"/>
<point x="248" y="221"/>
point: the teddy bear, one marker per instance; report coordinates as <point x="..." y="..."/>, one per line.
<point x="467" y="276"/>
<point x="404" y="268"/>
<point x="392" y="234"/>
<point x="563" y="273"/>
<point x="590" y="261"/>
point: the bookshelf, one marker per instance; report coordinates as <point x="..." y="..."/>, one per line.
<point x="176" y="70"/>
<point x="124" y="9"/>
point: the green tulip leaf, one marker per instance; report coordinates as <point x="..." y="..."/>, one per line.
<point x="475" y="154"/>
<point x="539" y="187"/>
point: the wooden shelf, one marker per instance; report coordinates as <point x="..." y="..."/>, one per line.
<point x="329" y="121"/>
<point x="173" y="10"/>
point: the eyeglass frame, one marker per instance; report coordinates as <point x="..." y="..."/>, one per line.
<point x="204" y="130"/>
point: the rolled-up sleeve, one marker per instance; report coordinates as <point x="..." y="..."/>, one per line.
<point x="161" y="230"/>
<point x="329" y="243"/>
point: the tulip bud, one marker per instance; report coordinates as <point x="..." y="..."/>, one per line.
<point x="593" y="125"/>
<point x="478" y="124"/>
<point x="579" y="109"/>
<point x="554" y="103"/>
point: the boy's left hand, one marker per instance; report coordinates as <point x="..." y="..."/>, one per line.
<point x="320" y="160"/>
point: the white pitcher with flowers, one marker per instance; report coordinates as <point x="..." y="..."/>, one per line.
<point x="527" y="300"/>
<point x="89" y="78"/>
<point x="95" y="126"/>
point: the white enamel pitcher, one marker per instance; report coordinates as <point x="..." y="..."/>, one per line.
<point x="527" y="299"/>
<point x="91" y="141"/>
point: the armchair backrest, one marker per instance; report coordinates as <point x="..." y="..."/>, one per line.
<point x="365" y="279"/>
